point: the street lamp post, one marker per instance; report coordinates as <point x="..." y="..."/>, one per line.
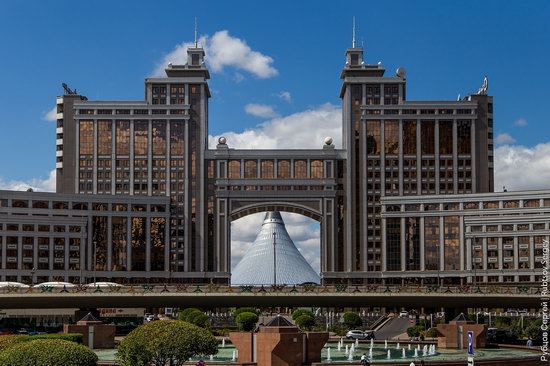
<point x="95" y="259"/>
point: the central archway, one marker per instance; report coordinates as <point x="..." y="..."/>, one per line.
<point x="320" y="208"/>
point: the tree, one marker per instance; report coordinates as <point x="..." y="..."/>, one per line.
<point x="247" y="321"/>
<point x="47" y="352"/>
<point x="158" y="343"/>
<point x="199" y="319"/>
<point x="182" y="315"/>
<point x="299" y="312"/>
<point x="352" y="320"/>
<point x="305" y="322"/>
<point x="244" y="310"/>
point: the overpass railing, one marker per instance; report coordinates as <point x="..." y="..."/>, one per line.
<point x="308" y="289"/>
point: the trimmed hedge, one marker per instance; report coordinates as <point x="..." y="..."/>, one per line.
<point x="245" y="310"/>
<point x="182" y="315"/>
<point x="199" y="319"/>
<point x="7" y="341"/>
<point x="305" y="322"/>
<point x="352" y="320"/>
<point x="48" y="352"/>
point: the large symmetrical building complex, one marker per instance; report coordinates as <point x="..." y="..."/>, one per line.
<point x="408" y="196"/>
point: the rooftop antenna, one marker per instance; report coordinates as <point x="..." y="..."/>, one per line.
<point x="196" y="43"/>
<point x="353" y="34"/>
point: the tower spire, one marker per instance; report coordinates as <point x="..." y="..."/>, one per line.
<point x="353" y="34"/>
<point x="196" y="41"/>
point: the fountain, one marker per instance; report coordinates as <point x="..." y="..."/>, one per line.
<point x="404" y="355"/>
<point x="211" y="357"/>
<point x="357" y="343"/>
<point x="389" y="355"/>
<point x="347" y="350"/>
<point x="370" y="353"/>
<point x="328" y="355"/>
<point x="352" y="348"/>
<point x="339" y="347"/>
<point x="418" y="347"/>
<point x="223" y="342"/>
<point x="371" y="342"/>
<point x="425" y="351"/>
<point x="397" y="346"/>
<point x="409" y="346"/>
<point x="234" y="356"/>
<point x="350" y="356"/>
<point x="386" y="344"/>
<point x="416" y="353"/>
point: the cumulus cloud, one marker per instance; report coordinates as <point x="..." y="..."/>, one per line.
<point x="285" y="95"/>
<point x="504" y="138"/>
<point x="223" y="50"/>
<point x="304" y="232"/>
<point x="260" y="110"/>
<point x="302" y="130"/>
<point x="522" y="168"/>
<point x="37" y="184"/>
<point x="50" y="115"/>
<point x="520" y="122"/>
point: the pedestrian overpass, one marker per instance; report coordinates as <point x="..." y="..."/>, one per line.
<point x="212" y="295"/>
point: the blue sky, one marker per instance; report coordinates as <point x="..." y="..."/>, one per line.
<point x="106" y="48"/>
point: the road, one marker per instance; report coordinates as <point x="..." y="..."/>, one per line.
<point x="394" y="328"/>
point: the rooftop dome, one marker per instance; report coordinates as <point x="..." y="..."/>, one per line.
<point x="257" y="265"/>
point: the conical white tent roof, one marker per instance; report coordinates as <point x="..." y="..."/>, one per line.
<point x="257" y="265"/>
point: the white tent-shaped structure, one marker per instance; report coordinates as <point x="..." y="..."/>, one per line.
<point x="273" y="259"/>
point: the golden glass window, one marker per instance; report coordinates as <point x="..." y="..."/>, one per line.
<point x="391" y="137"/>
<point x="141" y="130"/>
<point x="122" y="137"/>
<point x="86" y="138"/>
<point x="250" y="169"/>
<point x="445" y="137"/>
<point x="373" y="137"/>
<point x="427" y="129"/>
<point x="234" y="169"/>
<point x="267" y="169"/>
<point x="104" y="137"/>
<point x="316" y="169"/>
<point x="283" y="169"/>
<point x="177" y="138"/>
<point x="409" y="137"/>
<point x="159" y="137"/>
<point x="300" y="169"/>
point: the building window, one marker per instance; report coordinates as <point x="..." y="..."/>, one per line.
<point x="391" y="137"/>
<point x="316" y="169"/>
<point x="393" y="244"/>
<point x="451" y="238"/>
<point x="141" y="132"/>
<point x="445" y="137"/>
<point x="464" y="133"/>
<point x="176" y="138"/>
<point x="409" y="137"/>
<point x="300" y="169"/>
<point x="267" y="169"/>
<point x="123" y="137"/>
<point x="234" y="169"/>
<point x="373" y="137"/>
<point x="283" y="169"/>
<point x="159" y="137"/>
<point x="427" y="137"/>
<point x="250" y="169"/>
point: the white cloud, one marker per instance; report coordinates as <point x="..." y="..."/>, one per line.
<point x="302" y="130"/>
<point x="50" y="115"/>
<point x="522" y="168"/>
<point x="285" y="95"/>
<point x="223" y="50"/>
<point x="303" y="231"/>
<point x="37" y="184"/>
<point x="520" y="122"/>
<point x="260" y="110"/>
<point x="504" y="138"/>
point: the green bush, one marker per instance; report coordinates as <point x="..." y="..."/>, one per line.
<point x="244" y="310"/>
<point x="48" y="352"/>
<point x="299" y="312"/>
<point x="503" y="322"/>
<point x="432" y="333"/>
<point x="352" y="320"/>
<point x="182" y="315"/>
<point x="246" y="321"/>
<point x="305" y="322"/>
<point x="158" y="343"/>
<point x="7" y="341"/>
<point x="199" y="319"/>
<point x="414" y="331"/>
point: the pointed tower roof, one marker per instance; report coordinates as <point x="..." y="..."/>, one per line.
<point x="261" y="265"/>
